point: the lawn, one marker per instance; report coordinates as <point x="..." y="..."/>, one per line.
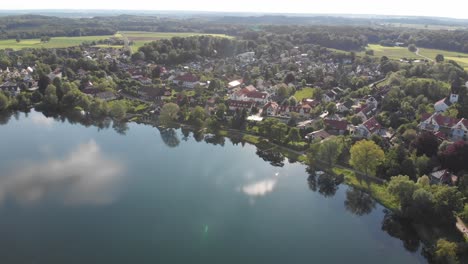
<point x="459" y="57"/>
<point x="304" y="93"/>
<point x="140" y="37"/>
<point x="55" y="42"/>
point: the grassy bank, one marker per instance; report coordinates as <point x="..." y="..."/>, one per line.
<point x="55" y="42"/>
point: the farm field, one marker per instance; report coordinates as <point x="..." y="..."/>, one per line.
<point x="55" y="42"/>
<point x="139" y="38"/>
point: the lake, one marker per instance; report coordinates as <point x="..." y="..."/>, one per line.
<point x="71" y="193"/>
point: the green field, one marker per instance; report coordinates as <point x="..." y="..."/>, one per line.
<point x="394" y="53"/>
<point x="55" y="42"/>
<point x="304" y="93"/>
<point x="397" y="53"/>
<point x="139" y="38"/>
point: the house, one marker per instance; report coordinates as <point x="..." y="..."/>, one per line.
<point x="366" y="113"/>
<point x="460" y="130"/>
<point x="335" y="127"/>
<point x="438" y="123"/>
<point x="250" y="93"/>
<point x="270" y="109"/>
<point x="318" y="135"/>
<point x="246" y="57"/>
<point x="235" y="105"/>
<point x="368" y="128"/>
<point x="55" y="74"/>
<point x="311" y="102"/>
<point x="151" y="94"/>
<point x="443" y="177"/>
<point x="187" y="80"/>
<point x="371" y="101"/>
<point x="329" y="96"/>
<point x="443" y="104"/>
<point x="235" y="84"/>
<point x="344" y="107"/>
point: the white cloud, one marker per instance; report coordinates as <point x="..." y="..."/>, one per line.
<point x="84" y="176"/>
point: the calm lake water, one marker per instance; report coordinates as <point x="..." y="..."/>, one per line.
<point x="75" y="194"/>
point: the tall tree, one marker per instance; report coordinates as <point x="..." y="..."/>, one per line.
<point x="366" y="156"/>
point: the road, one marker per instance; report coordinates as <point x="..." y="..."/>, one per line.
<point x="462" y="227"/>
<point x="422" y="56"/>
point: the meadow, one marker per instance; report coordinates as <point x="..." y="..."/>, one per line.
<point x="55" y="42"/>
<point x="139" y="38"/>
<point x="397" y="53"/>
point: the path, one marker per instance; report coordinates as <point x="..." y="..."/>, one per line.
<point x="422" y="56"/>
<point x="462" y="227"/>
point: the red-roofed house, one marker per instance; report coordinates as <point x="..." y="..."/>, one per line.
<point x="250" y="93"/>
<point x="368" y="128"/>
<point x="234" y="105"/>
<point x="187" y="80"/>
<point x="270" y="108"/>
<point x="335" y="127"/>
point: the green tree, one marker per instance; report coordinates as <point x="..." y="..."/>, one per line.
<point x="446" y="251"/>
<point x="412" y="48"/>
<point x="329" y="151"/>
<point x="50" y="97"/>
<point x="3" y="101"/>
<point x="403" y="188"/>
<point x="331" y="108"/>
<point x="439" y="58"/>
<point x="366" y="156"/>
<point x="464" y="214"/>
<point x="169" y="113"/>
<point x="118" y="110"/>
<point x="294" y="135"/>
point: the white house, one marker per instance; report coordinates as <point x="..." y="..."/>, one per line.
<point x="460" y="130"/>
<point x="445" y="103"/>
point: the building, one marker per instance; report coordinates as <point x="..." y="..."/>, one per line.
<point x="335" y="127"/>
<point x="318" y="135"/>
<point x="235" y="105"/>
<point x="186" y="80"/>
<point x="443" y="177"/>
<point x="250" y="93"/>
<point x="368" y="128"/>
<point x="270" y="109"/>
<point x="443" y="104"/>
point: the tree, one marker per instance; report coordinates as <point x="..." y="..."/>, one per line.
<point x="412" y="48"/>
<point x="3" y="101"/>
<point x="169" y="113"/>
<point x="50" y="97"/>
<point x="366" y="156"/>
<point x="446" y="251"/>
<point x="294" y="135"/>
<point x="329" y="151"/>
<point x="427" y="144"/>
<point x="455" y="156"/>
<point x="439" y="58"/>
<point x="331" y="108"/>
<point x="292" y="101"/>
<point x="18" y="39"/>
<point x="402" y="187"/>
<point x="118" y="110"/>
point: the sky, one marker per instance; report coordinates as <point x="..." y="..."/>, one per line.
<point x="445" y="8"/>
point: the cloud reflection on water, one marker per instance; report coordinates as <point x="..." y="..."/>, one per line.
<point x="260" y="188"/>
<point x="42" y="120"/>
<point x="83" y="176"/>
